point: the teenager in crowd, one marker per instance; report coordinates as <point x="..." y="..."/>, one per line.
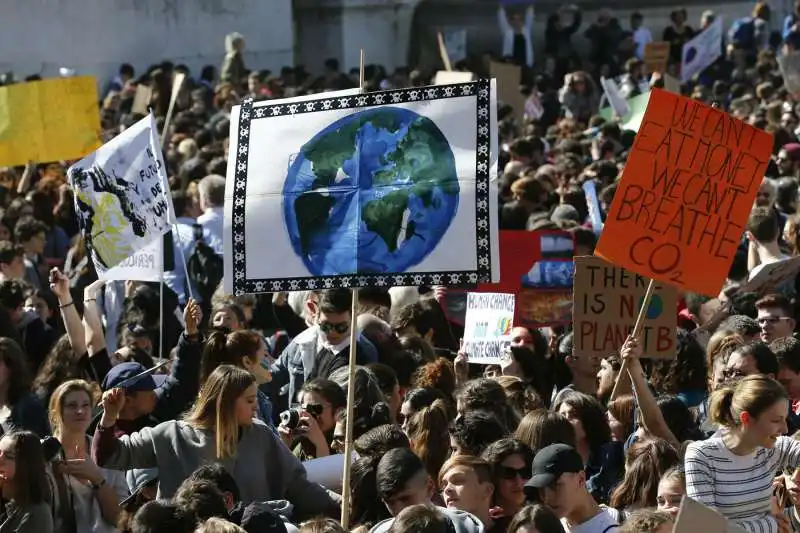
<point x="23" y="482"/>
<point x="219" y="427"/>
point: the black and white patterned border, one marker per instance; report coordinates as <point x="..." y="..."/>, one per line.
<point x="480" y="90"/>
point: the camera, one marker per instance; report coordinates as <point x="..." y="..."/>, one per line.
<point x="291" y="418"/>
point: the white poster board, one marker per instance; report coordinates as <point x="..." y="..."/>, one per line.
<point x="487" y="326"/>
<point x="122" y="195"/>
<point x="699" y="53"/>
<point x="446" y="77"/>
<point x="374" y="190"/>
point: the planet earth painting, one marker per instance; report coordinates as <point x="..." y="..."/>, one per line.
<point x="372" y="193"/>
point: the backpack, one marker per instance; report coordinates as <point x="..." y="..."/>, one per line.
<point x="743" y="33"/>
<point x="205" y="267"/>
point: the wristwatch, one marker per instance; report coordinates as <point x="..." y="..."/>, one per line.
<point x="97" y="486"/>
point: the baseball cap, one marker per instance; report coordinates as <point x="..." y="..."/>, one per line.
<point x="551" y="462"/>
<point x="124" y="371"/>
<point x="138" y="479"/>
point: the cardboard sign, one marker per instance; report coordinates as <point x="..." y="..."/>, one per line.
<point x="509" y="78"/>
<point x="790" y="68"/>
<point x="685" y="194"/>
<point x="444" y="77"/>
<point x="142" y="99"/>
<point x="694" y="517"/>
<point x="607" y="302"/>
<point x="51" y="120"/>
<point x="656" y="56"/>
<point x="772" y="275"/>
<point x="487" y="327"/>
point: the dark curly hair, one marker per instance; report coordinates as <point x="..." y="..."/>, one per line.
<point x="437" y="374"/>
<point x="474" y="431"/>
<point x="687" y="372"/>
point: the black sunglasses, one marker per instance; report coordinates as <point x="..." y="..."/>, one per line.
<point x="327" y="327"/>
<point x="506" y="472"/>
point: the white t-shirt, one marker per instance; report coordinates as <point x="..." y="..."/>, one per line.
<point x="606" y="521"/>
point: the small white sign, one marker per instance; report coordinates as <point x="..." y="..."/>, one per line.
<point x="487" y="326"/>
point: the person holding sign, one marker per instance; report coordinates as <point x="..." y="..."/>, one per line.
<point x="733" y="471"/>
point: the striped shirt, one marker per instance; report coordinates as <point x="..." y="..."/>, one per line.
<point x="739" y="487"/>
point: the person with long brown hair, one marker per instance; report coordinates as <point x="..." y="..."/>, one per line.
<point x="24" y="486"/>
<point x="221" y="428"/>
<point x="645" y="463"/>
<point x="428" y="435"/>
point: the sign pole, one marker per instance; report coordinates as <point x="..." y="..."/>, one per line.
<point x="351" y="381"/>
<point x="637" y="330"/>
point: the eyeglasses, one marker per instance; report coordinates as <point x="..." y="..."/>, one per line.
<point x="790" y="470"/>
<point x="730" y="373"/>
<point x="506" y="472"/>
<point x="327" y="327"/>
<point x="670" y="500"/>
<point x="771" y="320"/>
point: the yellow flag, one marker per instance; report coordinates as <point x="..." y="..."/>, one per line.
<point x="50" y="120"/>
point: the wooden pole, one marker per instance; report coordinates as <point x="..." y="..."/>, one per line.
<point x="637" y="330"/>
<point x="351" y="382"/>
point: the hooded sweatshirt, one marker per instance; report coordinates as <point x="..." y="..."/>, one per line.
<point x="462" y="521"/>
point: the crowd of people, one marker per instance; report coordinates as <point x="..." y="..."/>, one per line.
<point x="252" y="390"/>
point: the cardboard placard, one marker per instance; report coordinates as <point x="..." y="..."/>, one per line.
<point x="772" y="275"/>
<point x="50" y="120"/>
<point x="444" y="77"/>
<point x="607" y="302"/>
<point x="487" y="327"/>
<point x="142" y="99"/>
<point x="656" y="56"/>
<point x="694" y="517"/>
<point x="508" y="78"/>
<point x="685" y="194"/>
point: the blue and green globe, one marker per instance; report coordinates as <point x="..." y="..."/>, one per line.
<point x="372" y="193"/>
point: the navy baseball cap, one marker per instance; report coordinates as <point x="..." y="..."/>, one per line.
<point x="124" y="371"/>
<point x="550" y="463"/>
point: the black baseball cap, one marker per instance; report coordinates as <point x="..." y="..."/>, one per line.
<point x="551" y="462"/>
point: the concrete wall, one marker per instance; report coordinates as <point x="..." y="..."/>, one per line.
<point x="95" y="36"/>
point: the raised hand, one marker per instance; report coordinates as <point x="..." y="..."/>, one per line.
<point x="192" y="317"/>
<point x="59" y="285"/>
<point x="112" y="403"/>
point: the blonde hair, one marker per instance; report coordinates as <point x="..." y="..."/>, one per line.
<point x="56" y="408"/>
<point x="218" y="525"/>
<point x="752" y="395"/>
<point x="215" y="407"/>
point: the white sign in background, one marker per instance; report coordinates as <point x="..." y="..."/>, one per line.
<point x="487" y="326"/>
<point x="699" y="53"/>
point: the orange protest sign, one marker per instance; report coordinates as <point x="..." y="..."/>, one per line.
<point x="685" y="194"/>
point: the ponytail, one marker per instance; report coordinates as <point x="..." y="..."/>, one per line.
<point x="214" y="354"/>
<point x="429" y="436"/>
<point x="719" y="407"/>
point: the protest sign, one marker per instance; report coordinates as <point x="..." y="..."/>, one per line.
<point x="50" y="120"/>
<point x="487" y="326"/>
<point x="694" y="516"/>
<point x="790" y="68"/>
<point x="685" y="194"/>
<point x="144" y="265"/>
<point x="413" y="222"/>
<point x="538" y="270"/>
<point x="595" y="216"/>
<point x="615" y="99"/>
<point x="122" y="196"/>
<point x="445" y="77"/>
<point x="770" y="276"/>
<point x="656" y="56"/>
<point x="631" y="121"/>
<point x="699" y="53"/>
<point x="509" y="77"/>
<point x="606" y="305"/>
<point x="455" y="44"/>
<point x="533" y="107"/>
<point x="142" y="99"/>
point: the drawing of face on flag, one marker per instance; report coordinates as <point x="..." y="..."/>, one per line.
<point x="121" y="195"/>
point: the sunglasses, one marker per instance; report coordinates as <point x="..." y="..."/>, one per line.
<point x="327" y="327"/>
<point x="506" y="472"/>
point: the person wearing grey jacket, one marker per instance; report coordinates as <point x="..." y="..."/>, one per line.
<point x="219" y="428"/>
